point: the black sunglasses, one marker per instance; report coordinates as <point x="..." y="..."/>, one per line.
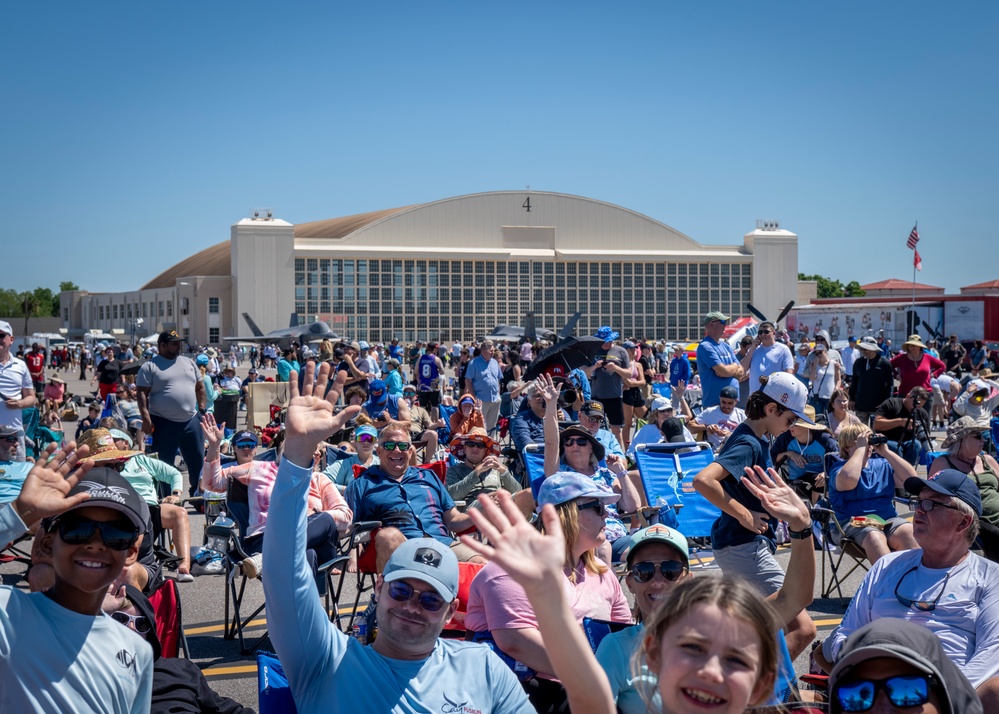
<point x="597" y="506"/>
<point x="921" y="605"/>
<point x="246" y="444"/>
<point x="79" y="531"/>
<point x="671" y="570"/>
<point x="475" y="444"/>
<point x="401" y="592"/>
<point x="576" y="441"/>
<point x="11" y="439"/>
<point x="902" y="691"/>
<point x="141" y="622"/>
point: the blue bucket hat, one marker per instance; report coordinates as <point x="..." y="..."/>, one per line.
<point x="565" y="486"/>
<point x="201" y="360"/>
<point x="606" y="334"/>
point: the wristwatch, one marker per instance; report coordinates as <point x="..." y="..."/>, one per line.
<point x="802" y="534"/>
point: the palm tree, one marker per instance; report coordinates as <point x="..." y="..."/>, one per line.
<point x="30" y="304"/>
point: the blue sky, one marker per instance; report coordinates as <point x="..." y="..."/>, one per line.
<point x="135" y="134"/>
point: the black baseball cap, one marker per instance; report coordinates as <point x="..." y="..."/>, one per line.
<point x="729" y="393"/>
<point x="170" y="336"/>
<point x="109" y="489"/>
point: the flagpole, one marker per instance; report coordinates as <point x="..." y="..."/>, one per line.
<point x="916" y="228"/>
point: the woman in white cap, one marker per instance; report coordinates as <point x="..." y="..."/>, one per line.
<point x="499" y="606"/>
<point x="964" y="446"/>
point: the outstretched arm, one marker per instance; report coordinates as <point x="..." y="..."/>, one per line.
<point x="536" y="561"/>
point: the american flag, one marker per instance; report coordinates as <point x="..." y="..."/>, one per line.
<point x="913" y="239"/>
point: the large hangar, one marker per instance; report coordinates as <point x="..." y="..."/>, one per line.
<point x="452" y="269"/>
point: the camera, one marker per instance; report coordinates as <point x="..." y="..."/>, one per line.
<point x="877" y="439"/>
<point x="567" y="396"/>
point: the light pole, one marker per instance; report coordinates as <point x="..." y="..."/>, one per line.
<point x="137" y="322"/>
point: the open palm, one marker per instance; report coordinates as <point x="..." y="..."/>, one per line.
<point x="310" y="418"/>
<point x="779" y="499"/>
<point x="46" y="489"/>
<point x="530" y="557"/>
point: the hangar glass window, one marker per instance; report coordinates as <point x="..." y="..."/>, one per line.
<point x="299" y="263"/>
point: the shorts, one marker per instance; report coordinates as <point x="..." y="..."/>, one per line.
<point x="613" y="410"/>
<point x="753" y="562"/>
<point x="633" y="397"/>
<point x="857" y="534"/>
<point x="429" y="399"/>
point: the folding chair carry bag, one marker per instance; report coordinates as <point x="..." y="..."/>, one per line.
<point x="670" y="475"/>
<point x="273" y="691"/>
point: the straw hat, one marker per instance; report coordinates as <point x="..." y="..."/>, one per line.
<point x="476" y="434"/>
<point x="809" y="411"/>
<point x="102" y="447"/>
<point x="959" y="429"/>
<point x="915" y="341"/>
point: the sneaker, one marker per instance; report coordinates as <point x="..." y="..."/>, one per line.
<point x="253" y="566"/>
<point x="185" y="578"/>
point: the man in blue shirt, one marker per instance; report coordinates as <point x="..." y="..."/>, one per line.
<point x="410" y="502"/>
<point x="716" y="362"/>
<point x="482" y="379"/>
<point x="12" y="471"/>
<point x="679" y="375"/>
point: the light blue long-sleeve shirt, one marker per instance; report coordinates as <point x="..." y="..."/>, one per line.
<point x="331" y="672"/>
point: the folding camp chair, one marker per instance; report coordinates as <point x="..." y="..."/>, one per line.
<point x="356" y="539"/>
<point x="30" y="418"/>
<point x="533" y="457"/>
<point x="833" y="535"/>
<point x="455" y="627"/>
<point x="169" y="620"/>
<point x="273" y="690"/>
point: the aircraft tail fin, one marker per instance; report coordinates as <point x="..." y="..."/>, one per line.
<point x="530" y="329"/>
<point x="293" y="322"/>
<point x="570" y="326"/>
<point x="253" y="326"/>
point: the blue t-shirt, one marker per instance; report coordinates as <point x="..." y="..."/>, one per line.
<point x="485" y="377"/>
<point x="427" y="374"/>
<point x="285" y="367"/>
<point x="12" y="475"/>
<point x="871" y="496"/>
<point x="709" y="354"/>
<point x="679" y="369"/>
<point x="814" y="452"/>
<point x="743" y="448"/>
<point x="415" y="504"/>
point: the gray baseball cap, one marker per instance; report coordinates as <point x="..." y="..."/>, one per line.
<point x="428" y="560"/>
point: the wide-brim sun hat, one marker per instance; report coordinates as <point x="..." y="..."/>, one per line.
<point x="476" y="434"/>
<point x="102" y="447"/>
<point x="606" y="334"/>
<point x="914" y="341"/>
<point x="961" y="428"/>
<point x="868" y="343"/>
<point x="598" y="449"/>
<point x="812" y="425"/>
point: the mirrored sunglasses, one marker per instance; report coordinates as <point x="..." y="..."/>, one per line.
<point x="79" y="531"/>
<point x="139" y="622"/>
<point x="246" y="444"/>
<point x="364" y="438"/>
<point x="645" y="570"/>
<point x="400" y="445"/>
<point x="401" y="592"/>
<point x="902" y="692"/>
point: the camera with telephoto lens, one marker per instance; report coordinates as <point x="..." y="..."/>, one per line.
<point x="877" y="439"/>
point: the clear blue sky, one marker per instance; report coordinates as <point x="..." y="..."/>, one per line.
<point x="134" y="134"/>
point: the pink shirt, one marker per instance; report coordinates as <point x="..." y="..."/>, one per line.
<point x="916" y="374"/>
<point x="259" y="476"/>
<point x="496" y="602"/>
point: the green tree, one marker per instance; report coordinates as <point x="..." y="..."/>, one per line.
<point x="29" y="306"/>
<point x="829" y="288"/>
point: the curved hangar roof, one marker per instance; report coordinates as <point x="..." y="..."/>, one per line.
<point x="498" y="220"/>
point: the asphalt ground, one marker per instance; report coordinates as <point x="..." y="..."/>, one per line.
<point x="233" y="675"/>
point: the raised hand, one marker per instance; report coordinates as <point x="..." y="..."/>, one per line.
<point x="214" y="433"/>
<point x="547" y="388"/>
<point x="533" y="559"/>
<point x="310" y="418"/>
<point x="46" y="488"/>
<point x="779" y="499"/>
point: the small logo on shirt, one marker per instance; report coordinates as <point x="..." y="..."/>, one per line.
<point x="455" y="708"/>
<point x="127" y="661"/>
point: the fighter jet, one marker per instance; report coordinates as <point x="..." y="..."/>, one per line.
<point x="313" y="332"/>
<point x="513" y="333"/>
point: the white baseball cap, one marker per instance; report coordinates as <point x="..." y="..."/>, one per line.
<point x="660" y="404"/>
<point x="6" y="328"/>
<point x="789" y="392"/>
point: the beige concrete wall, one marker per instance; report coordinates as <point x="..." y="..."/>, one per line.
<point x="263" y="274"/>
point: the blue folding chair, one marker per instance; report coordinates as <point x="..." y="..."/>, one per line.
<point x="668" y="478"/>
<point x="30" y="418"/>
<point x="662" y="389"/>
<point x="444" y="432"/>
<point x="273" y="691"/>
<point x="534" y="462"/>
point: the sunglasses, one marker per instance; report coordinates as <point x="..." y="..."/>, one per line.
<point x="671" y="570"/>
<point x="903" y="692"/>
<point x="246" y="444"/>
<point x="11" y="439"/>
<point x="926" y="505"/>
<point x="766" y="332"/>
<point x="402" y="592"/>
<point x="596" y="506"/>
<point x="576" y="441"/>
<point x="921" y="605"/>
<point x="141" y="623"/>
<point x="80" y="531"/>
<point x="475" y="444"/>
<point x="980" y="436"/>
<point x="364" y="438"/>
<point x="400" y="445"/>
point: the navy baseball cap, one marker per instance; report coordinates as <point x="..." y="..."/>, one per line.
<point x="949" y="482"/>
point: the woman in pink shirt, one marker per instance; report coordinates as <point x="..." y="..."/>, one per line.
<point x="499" y="607"/>
<point x="327" y="510"/>
<point x="915" y="367"/>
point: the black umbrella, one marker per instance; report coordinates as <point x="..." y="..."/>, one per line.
<point x="132" y="367"/>
<point x="571" y="353"/>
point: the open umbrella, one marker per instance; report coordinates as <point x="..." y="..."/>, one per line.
<point x="132" y="367"/>
<point x="570" y="353"/>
